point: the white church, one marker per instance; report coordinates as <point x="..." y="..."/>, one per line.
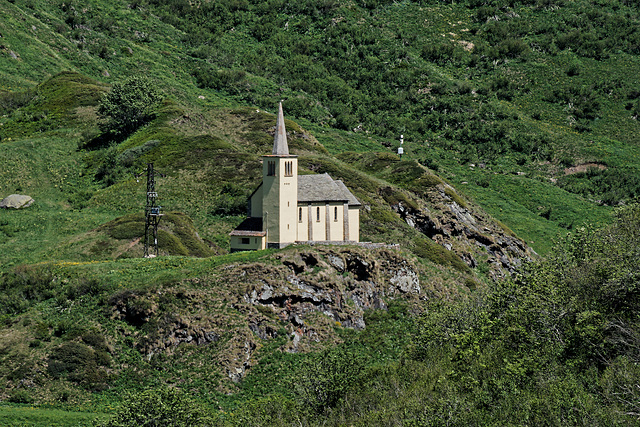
<point x="290" y="208"/>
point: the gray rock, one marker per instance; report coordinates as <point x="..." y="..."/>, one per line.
<point x="406" y="280"/>
<point x="16" y="201"/>
<point x="337" y="262"/>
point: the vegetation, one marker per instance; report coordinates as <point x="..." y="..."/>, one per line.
<point x="525" y="111"/>
<point x="554" y="345"/>
<point x="129" y="105"/>
<point x="159" y="407"/>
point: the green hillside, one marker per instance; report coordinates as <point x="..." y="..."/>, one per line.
<point x="520" y="125"/>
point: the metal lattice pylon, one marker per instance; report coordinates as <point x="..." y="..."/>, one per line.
<point x="152" y="215"/>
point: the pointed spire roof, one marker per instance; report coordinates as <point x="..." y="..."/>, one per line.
<point x="280" y="147"/>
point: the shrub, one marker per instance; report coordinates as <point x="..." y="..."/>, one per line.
<point x="20" y="396"/>
<point x="430" y="163"/>
<point x="11" y="101"/>
<point x="328" y="377"/>
<point x="430" y="250"/>
<point x="442" y="53"/>
<point x="129" y="105"/>
<point x="483" y="181"/>
<point x="70" y="357"/>
<point x="574" y="68"/>
<point x="23" y="286"/>
<point x="159" y="407"/>
<point x="81" y="364"/>
<point x="273" y="410"/>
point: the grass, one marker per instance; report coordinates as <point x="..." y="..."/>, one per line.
<point x="208" y="136"/>
<point x="539" y="213"/>
<point x="21" y="415"/>
<point x="155" y="47"/>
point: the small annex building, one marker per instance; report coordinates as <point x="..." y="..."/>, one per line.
<point x="290" y="208"/>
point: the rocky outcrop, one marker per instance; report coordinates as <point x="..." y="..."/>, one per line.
<point x="302" y="293"/>
<point x="473" y="236"/>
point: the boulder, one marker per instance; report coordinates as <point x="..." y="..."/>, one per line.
<point x="16" y="201"/>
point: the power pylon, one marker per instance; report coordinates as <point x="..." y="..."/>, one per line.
<point x="152" y="214"/>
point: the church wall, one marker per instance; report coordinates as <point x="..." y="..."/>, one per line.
<point x="252" y="243"/>
<point x="336" y="221"/>
<point x="256" y="204"/>
<point x="288" y="200"/>
<point x="318" y="219"/>
<point x="303" y="223"/>
<point x="280" y="198"/>
<point x="270" y="214"/>
<point x="354" y="223"/>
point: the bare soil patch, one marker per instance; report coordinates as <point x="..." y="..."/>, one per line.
<point x="583" y="168"/>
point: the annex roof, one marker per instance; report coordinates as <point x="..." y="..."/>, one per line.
<point x="250" y="227"/>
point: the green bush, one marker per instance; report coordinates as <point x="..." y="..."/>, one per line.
<point x="327" y="377"/>
<point x="272" y="410"/>
<point x="428" y="249"/>
<point x="42" y="331"/>
<point x="81" y="364"/>
<point x="611" y="186"/>
<point x="129" y="104"/>
<point x="160" y="407"/>
<point x="11" y="101"/>
<point x="70" y="357"/>
<point x="25" y="286"/>
<point x="21" y="396"/>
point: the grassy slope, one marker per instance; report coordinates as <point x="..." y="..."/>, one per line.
<point x="47" y="165"/>
<point x="159" y="50"/>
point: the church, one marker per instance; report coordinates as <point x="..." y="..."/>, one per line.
<point x="290" y="208"/>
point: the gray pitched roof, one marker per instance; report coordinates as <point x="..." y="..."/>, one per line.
<point x="350" y="197"/>
<point x="280" y="147"/>
<point x="322" y="188"/>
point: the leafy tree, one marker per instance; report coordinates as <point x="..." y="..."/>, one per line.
<point x="129" y="105"/>
<point x="160" y="407"/>
<point x="328" y="377"/>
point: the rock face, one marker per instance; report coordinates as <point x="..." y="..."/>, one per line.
<point x="16" y="201"/>
<point x="302" y="293"/>
<point x="472" y="235"/>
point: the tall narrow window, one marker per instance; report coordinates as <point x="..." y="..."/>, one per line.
<point x="318" y="214"/>
<point x="288" y="168"/>
<point x="335" y="214"/>
<point x="299" y="214"/>
<point x="271" y="168"/>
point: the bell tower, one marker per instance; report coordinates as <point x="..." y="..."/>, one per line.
<point x="280" y="190"/>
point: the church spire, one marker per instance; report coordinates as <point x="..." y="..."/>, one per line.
<point x="280" y="147"/>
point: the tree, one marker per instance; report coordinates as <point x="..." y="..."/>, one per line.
<point x="160" y="407"/>
<point x="129" y="105"/>
<point x="328" y="377"/>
